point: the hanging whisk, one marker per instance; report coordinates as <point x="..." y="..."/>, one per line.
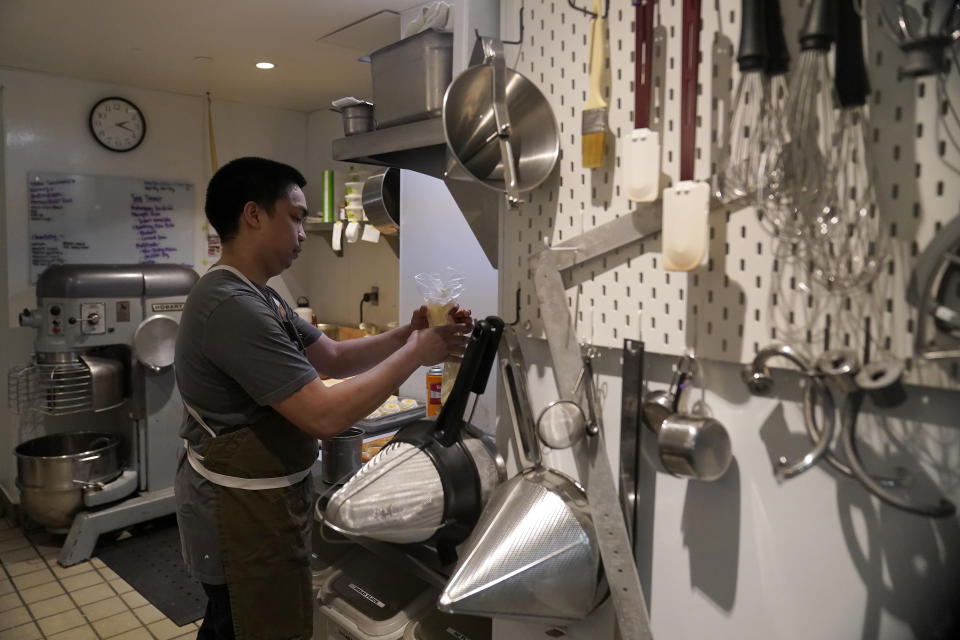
<point x="847" y="246"/>
<point x="773" y="125"/>
<point x="739" y="168"/>
<point x="797" y="185"/>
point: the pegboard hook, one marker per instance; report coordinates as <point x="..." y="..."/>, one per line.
<point x="606" y="9"/>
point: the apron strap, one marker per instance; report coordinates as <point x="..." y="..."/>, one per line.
<point x="250" y="484"/>
<point x="233" y="482"/>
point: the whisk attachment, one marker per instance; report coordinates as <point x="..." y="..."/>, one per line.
<point x="847" y="246"/>
<point x="797" y="185"/>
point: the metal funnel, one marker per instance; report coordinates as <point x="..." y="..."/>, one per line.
<point x="532" y="556"/>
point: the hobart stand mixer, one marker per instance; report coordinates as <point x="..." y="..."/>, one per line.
<point x="103" y="356"/>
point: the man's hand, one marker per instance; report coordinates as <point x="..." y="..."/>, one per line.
<point x="438" y="344"/>
<point x="459" y="316"/>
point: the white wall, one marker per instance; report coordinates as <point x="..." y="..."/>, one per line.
<point x="814" y="557"/>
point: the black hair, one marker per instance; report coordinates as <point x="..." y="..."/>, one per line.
<point x="246" y="180"/>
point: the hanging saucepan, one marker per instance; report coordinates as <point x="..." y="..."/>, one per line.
<point x="381" y="201"/>
<point x="491" y="113"/>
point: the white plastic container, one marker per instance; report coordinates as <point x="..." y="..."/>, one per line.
<point x="365" y="597"/>
<point x="437" y="625"/>
<point x="354" y="188"/>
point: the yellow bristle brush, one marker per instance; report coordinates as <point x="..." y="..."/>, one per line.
<point x="593" y="134"/>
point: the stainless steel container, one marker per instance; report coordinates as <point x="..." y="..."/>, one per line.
<point x="53" y="470"/>
<point x="357" y="118"/>
<point x="410" y="77"/>
<point x="342" y="455"/>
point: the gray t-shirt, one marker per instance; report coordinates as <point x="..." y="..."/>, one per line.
<point x="234" y="358"/>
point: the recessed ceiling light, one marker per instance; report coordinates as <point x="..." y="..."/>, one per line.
<point x="264" y="65"/>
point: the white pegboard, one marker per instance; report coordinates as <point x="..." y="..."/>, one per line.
<point x="746" y="296"/>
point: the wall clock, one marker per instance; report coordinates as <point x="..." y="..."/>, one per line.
<point x="117" y="124"/>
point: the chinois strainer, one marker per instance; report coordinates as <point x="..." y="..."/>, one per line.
<point x="533" y="555"/>
<point x="431" y="481"/>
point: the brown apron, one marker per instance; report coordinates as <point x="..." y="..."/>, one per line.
<point x="261" y="473"/>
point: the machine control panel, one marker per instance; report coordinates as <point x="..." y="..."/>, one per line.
<point x="93" y="318"/>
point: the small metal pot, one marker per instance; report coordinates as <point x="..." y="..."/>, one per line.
<point x="357" y="118"/>
<point x="694" y="447"/>
<point x="342" y="456"/>
<point x="381" y="201"/>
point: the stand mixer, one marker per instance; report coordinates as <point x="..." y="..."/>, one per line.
<point x="103" y="355"/>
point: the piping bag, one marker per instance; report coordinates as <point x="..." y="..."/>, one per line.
<point x="440" y="294"/>
<point x="642" y="152"/>
<point x="686" y="204"/>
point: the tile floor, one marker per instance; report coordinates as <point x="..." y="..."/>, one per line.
<point x="40" y="599"/>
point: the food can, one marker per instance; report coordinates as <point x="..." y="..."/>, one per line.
<point x="434" y="380"/>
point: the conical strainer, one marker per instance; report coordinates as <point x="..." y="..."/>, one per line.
<point x="431" y="482"/>
<point x="533" y="554"/>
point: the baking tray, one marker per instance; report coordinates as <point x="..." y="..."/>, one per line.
<point x="394" y="420"/>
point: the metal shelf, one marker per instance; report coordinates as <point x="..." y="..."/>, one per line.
<point x="418" y="146"/>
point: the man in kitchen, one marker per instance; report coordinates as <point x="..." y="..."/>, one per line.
<point x="247" y="369"/>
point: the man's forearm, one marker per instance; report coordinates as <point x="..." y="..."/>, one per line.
<point x="358" y="355"/>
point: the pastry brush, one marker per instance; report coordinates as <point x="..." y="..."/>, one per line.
<point x="594" y="129"/>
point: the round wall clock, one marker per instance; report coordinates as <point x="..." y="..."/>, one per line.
<point x="117" y="124"/>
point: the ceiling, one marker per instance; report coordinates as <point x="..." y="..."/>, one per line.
<point x="195" y="46"/>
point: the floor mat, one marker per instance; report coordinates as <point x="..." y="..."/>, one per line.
<point x="151" y="563"/>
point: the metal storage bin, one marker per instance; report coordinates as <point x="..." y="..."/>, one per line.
<point x="410" y="78"/>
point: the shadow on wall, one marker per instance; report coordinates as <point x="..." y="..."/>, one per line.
<point x="909" y="564"/>
<point x="711" y="533"/>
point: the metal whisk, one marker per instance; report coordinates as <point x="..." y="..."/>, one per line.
<point x="797" y="185"/>
<point x="847" y="247"/>
<point x="739" y="170"/>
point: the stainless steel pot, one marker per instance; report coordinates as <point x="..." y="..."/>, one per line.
<point x="381" y="201"/>
<point x="53" y="470"/>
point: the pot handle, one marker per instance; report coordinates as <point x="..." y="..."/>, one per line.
<point x="514" y="372"/>
<point x="483" y="342"/>
<point x="493" y="55"/>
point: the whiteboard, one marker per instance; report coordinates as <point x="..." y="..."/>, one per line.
<point x="81" y="219"/>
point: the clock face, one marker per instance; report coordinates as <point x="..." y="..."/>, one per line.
<point x="117" y="124"/>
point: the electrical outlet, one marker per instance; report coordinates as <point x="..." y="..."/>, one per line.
<point x="373" y="296"/>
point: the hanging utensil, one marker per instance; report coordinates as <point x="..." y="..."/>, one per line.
<point x="593" y="136"/>
<point x="641" y="163"/>
<point x="797" y="179"/>
<point x="847" y="247"/>
<point x="738" y="171"/>
<point x="685" y="235"/>
<point x="533" y="555"/>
